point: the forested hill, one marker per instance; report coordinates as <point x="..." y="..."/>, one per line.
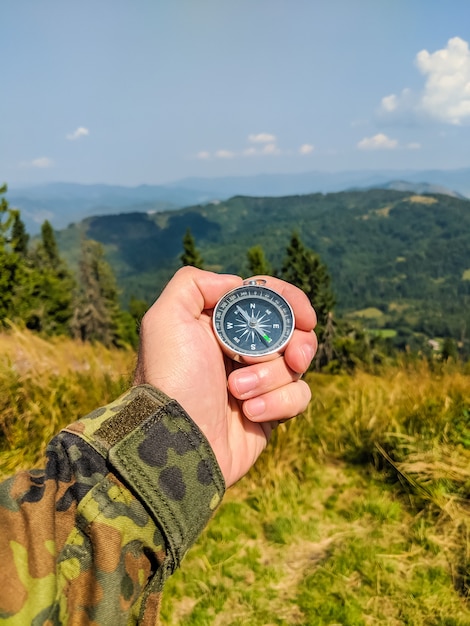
<point x="395" y="258"/>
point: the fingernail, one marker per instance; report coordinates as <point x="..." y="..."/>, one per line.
<point x="245" y="382"/>
<point x="255" y="407"/>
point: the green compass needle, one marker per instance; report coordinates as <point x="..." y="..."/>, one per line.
<point x="263" y="335"/>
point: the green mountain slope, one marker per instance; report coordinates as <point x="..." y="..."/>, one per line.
<point x="396" y="259"/>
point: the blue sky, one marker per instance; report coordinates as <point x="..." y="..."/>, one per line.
<point x="152" y="91"/>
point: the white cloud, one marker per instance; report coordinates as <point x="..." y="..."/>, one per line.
<point x="413" y="145"/>
<point x="271" y="148"/>
<point x="377" y="142"/>
<point x="262" y="138"/>
<point x="39" y="163"/>
<point x="390" y="103"/>
<point x="263" y="145"/>
<point x="446" y="93"/>
<point x="406" y="101"/>
<point x="42" y="162"/>
<point x="224" y="154"/>
<point x="81" y="131"/>
<point x="306" y="148"/>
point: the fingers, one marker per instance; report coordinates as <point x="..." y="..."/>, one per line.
<point x="280" y="404"/>
<point x="263" y="377"/>
<point x="272" y="390"/>
<point x="301" y="350"/>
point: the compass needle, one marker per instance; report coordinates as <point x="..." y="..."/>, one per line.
<point x="243" y="313"/>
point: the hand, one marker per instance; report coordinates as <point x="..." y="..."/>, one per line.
<point x="235" y="407"/>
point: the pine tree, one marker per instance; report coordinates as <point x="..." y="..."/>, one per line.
<point x="257" y="262"/>
<point x="7" y="216"/>
<point x="191" y="255"/>
<point x="35" y="285"/>
<point x="9" y="261"/>
<point x="48" y="287"/>
<point x="49" y="248"/>
<point x="97" y="315"/>
<point x="19" y="236"/>
<point x="303" y="268"/>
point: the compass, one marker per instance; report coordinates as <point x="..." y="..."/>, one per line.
<point x="253" y="320"/>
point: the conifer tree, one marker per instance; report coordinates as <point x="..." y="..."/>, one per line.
<point x="49" y="248"/>
<point x="48" y="287"/>
<point x="191" y="255"/>
<point x="97" y="315"/>
<point x="19" y="236"/>
<point x="35" y="285"/>
<point x="9" y="261"/>
<point x="257" y="262"/>
<point x="6" y="216"/>
<point x="91" y="320"/>
<point x="303" y="267"/>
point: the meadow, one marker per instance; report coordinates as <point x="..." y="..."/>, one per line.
<point x="356" y="514"/>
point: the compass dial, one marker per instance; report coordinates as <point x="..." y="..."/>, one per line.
<point x="253" y="320"/>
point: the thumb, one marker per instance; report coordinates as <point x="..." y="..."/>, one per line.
<point x="195" y="290"/>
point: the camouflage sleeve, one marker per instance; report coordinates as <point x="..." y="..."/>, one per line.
<point x="93" y="537"/>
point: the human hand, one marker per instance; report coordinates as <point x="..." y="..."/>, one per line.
<point x="235" y="407"/>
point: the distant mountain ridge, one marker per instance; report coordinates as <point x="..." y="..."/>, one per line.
<point x="66" y="203"/>
<point x="457" y="180"/>
<point x="419" y="188"/>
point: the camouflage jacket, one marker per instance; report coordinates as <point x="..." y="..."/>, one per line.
<point x="93" y="537"/>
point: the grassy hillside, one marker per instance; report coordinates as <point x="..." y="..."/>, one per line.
<point x="357" y="514"/>
<point x="405" y="256"/>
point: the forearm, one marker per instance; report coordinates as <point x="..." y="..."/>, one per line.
<point x="125" y="493"/>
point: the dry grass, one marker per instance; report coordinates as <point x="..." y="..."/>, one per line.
<point x="47" y="384"/>
<point x="357" y="514"/>
<point x="30" y="355"/>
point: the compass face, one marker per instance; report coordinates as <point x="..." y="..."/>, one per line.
<point x="253" y="321"/>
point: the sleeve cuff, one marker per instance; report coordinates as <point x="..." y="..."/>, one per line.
<point x="163" y="457"/>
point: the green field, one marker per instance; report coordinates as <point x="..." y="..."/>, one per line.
<point x="357" y="514"/>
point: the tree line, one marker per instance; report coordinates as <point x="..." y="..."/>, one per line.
<point x="39" y="291"/>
